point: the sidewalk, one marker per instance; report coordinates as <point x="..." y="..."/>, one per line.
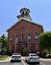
<point x="45" y="59"/>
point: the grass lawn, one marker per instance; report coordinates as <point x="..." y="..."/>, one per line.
<point x="4" y="57"/>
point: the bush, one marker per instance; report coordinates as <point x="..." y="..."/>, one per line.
<point x="43" y="55"/>
<point x="48" y="56"/>
<point x="25" y="52"/>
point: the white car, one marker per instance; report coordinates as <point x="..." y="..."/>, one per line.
<point x="32" y="58"/>
<point x="16" y="57"/>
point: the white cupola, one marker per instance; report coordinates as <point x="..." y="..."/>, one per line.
<point x="24" y="14"/>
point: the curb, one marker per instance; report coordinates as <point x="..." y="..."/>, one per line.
<point x="45" y="59"/>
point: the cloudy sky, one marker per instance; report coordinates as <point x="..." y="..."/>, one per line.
<point x="40" y="11"/>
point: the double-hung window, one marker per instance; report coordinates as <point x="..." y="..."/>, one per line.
<point x="10" y="39"/>
<point x="29" y="38"/>
<point x="36" y="37"/>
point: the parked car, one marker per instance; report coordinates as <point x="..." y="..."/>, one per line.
<point x="16" y="57"/>
<point x="32" y="58"/>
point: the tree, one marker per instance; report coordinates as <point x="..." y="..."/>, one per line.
<point x="25" y="51"/>
<point x="45" y="41"/>
<point x="4" y="40"/>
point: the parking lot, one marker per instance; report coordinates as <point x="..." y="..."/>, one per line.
<point x="23" y="62"/>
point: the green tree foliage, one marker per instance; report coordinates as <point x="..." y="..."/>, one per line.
<point x="4" y="40"/>
<point x="45" y="41"/>
<point x="25" y="51"/>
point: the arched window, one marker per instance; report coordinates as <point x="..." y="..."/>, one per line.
<point x="23" y="12"/>
<point x="26" y="12"/>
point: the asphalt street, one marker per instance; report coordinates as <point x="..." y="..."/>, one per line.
<point x="25" y="63"/>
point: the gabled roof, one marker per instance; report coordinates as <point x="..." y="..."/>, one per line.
<point x="24" y="20"/>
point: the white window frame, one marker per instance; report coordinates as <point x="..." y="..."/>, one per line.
<point x="10" y="38"/>
<point x="36" y="40"/>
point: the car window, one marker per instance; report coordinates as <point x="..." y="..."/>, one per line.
<point x="33" y="55"/>
<point x="16" y="54"/>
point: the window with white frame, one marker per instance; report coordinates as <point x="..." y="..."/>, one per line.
<point x="16" y="40"/>
<point x="36" y="40"/>
<point x="36" y="37"/>
<point x="29" y="38"/>
<point x="22" y="38"/>
<point x="10" y="38"/>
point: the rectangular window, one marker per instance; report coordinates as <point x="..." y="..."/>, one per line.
<point x="29" y="38"/>
<point x="10" y="38"/>
<point x="22" y="38"/>
<point x="36" y="33"/>
<point x="29" y="34"/>
<point x="36" y="40"/>
<point x="36" y="37"/>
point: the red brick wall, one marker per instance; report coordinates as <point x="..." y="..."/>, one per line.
<point x="24" y="27"/>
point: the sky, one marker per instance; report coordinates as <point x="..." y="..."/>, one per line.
<point x="40" y="12"/>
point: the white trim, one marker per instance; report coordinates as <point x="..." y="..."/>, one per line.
<point x="25" y="19"/>
<point x="16" y="40"/>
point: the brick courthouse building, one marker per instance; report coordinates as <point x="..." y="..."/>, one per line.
<point x="24" y="34"/>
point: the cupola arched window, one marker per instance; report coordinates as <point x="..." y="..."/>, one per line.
<point x="26" y="12"/>
<point x="23" y="12"/>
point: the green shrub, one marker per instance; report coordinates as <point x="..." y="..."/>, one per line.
<point x="43" y="55"/>
<point x="25" y="52"/>
<point x="48" y="56"/>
